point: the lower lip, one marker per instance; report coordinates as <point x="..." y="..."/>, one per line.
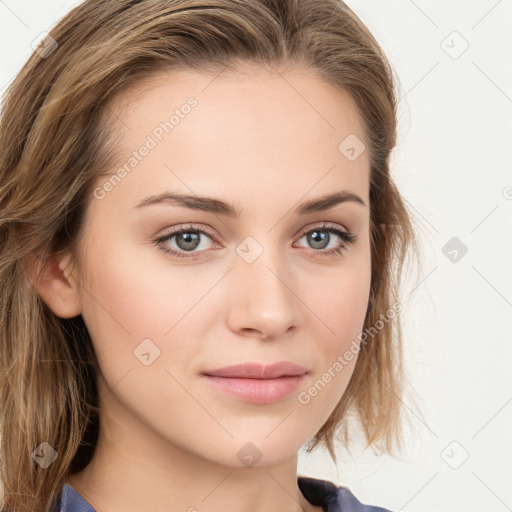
<point x="258" y="391"/>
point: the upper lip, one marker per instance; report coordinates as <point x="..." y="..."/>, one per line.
<point x="258" y="371"/>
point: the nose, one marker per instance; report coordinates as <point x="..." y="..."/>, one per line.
<point x="263" y="300"/>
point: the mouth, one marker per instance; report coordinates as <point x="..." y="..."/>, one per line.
<point x="255" y="383"/>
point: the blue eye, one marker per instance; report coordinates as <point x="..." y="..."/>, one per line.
<point x="317" y="236"/>
<point x="189" y="238"/>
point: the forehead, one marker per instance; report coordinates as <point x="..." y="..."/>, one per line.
<point x="253" y="131"/>
<point x="243" y="92"/>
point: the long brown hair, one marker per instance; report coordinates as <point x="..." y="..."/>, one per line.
<point x="54" y="141"/>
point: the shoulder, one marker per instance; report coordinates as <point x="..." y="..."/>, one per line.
<point x="68" y="500"/>
<point x="333" y="498"/>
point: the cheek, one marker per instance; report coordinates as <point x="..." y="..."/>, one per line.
<point x="132" y="298"/>
<point x="342" y="309"/>
<point x="343" y="304"/>
<point x="134" y="289"/>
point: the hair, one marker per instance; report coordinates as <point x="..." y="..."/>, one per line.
<point x="55" y="141"/>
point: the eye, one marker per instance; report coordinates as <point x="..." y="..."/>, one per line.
<point x="188" y="238"/>
<point x="320" y="237"/>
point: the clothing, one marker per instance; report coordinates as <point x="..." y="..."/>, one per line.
<point x="318" y="492"/>
<point x="333" y="498"/>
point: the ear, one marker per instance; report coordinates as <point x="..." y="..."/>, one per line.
<point x="56" y="284"/>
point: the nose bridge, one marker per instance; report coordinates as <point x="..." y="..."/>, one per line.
<point x="262" y="262"/>
<point x="264" y="298"/>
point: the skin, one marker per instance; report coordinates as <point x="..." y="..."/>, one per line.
<point x="264" y="142"/>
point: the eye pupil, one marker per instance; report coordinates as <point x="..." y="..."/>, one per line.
<point x="322" y="235"/>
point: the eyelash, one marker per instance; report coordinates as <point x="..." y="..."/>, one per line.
<point x="347" y="239"/>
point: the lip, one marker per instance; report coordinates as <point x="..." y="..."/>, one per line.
<point x="257" y="391"/>
<point x="256" y="383"/>
<point x="259" y="371"/>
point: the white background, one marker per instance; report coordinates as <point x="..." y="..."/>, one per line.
<point x="452" y="164"/>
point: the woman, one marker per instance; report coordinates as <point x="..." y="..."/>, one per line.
<point x="202" y="248"/>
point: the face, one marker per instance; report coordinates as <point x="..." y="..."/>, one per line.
<point x="174" y="289"/>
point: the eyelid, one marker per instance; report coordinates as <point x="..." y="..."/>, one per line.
<point x="186" y="227"/>
<point x="323" y="225"/>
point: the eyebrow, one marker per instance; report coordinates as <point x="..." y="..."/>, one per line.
<point x="210" y="204"/>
